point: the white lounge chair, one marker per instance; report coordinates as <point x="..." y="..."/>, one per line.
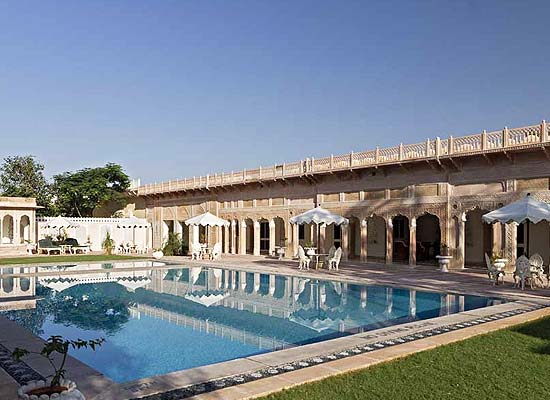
<point x="334" y="262"/>
<point x="493" y="273"/>
<point x="303" y="260"/>
<point x="523" y="272"/>
<point x="331" y="252"/>
<point x="216" y="251"/>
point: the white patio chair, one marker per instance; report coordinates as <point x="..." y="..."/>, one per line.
<point x="217" y="251"/>
<point x="303" y="260"/>
<point x="334" y="262"/>
<point x="331" y="252"/>
<point x="523" y="273"/>
<point x="494" y="273"/>
<point x="196" y="251"/>
<point x="537" y="268"/>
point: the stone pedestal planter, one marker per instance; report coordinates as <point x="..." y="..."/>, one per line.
<point x="444" y="262"/>
<point x="158" y="254"/>
<point x="72" y="393"/>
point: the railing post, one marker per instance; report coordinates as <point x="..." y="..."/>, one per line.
<point x="543" y="131"/>
<point x="260" y="172"/>
<point x="207" y="179"/>
<point x="484" y="140"/>
<point x="505" y="137"/>
<point x="244" y="175"/>
<point x="331" y="162"/>
<point x="377" y="155"/>
<point x="451" y="145"/>
<point x="284" y="168"/>
<point x="312" y="164"/>
<point x="428" y="147"/>
<point x="400" y="151"/>
<point x="437" y="147"/>
<point x="351" y="159"/>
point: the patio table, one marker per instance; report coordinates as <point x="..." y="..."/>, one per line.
<point x="317" y="258"/>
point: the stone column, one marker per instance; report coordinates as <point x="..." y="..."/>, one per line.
<point x="364" y="239"/>
<point x="272" y="237"/>
<point x="242" y="238"/>
<point x="295" y="239"/>
<point x="345" y="241"/>
<point x="412" y="241"/>
<point x="389" y="241"/>
<point x="497" y="238"/>
<point x="256" y="282"/>
<point x="256" y="250"/>
<point x="511" y="244"/>
<point x="322" y="235"/>
<point x="460" y="250"/>
<point x="226" y="231"/>
<point x="233" y="237"/>
<point x="271" y="284"/>
<point x="16" y="234"/>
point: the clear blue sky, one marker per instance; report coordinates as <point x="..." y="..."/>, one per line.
<point x="173" y="89"/>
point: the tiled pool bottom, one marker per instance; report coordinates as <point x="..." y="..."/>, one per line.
<point x="190" y="317"/>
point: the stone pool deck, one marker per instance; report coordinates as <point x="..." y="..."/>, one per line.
<point x="265" y="373"/>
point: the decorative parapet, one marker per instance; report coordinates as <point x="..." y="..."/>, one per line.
<point x="485" y="142"/>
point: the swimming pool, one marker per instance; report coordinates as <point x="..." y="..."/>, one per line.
<point x="157" y="321"/>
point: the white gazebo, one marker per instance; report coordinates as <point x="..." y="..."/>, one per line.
<point x="207" y="220"/>
<point x="320" y="217"/>
<point x="527" y="210"/>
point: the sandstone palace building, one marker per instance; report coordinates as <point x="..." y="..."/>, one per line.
<point x="404" y="203"/>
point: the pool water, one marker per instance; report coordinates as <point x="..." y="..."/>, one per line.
<point x="157" y="321"/>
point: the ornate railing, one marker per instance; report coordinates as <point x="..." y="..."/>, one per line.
<point x="430" y="149"/>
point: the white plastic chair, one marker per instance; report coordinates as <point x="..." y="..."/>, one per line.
<point x="196" y="251"/>
<point x="331" y="252"/>
<point x="537" y="268"/>
<point x="334" y="262"/>
<point x="303" y="260"/>
<point x="217" y="251"/>
<point x="523" y="272"/>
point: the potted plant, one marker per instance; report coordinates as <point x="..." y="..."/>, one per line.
<point x="309" y="247"/>
<point x="108" y="244"/>
<point x="56" y="386"/>
<point x="445" y="251"/>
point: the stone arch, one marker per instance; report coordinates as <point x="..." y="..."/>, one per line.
<point x="478" y="237"/>
<point x="7" y="229"/>
<point x="248" y="231"/>
<point x="428" y="238"/>
<point x="354" y="237"/>
<point x="400" y="238"/>
<point x="25" y="229"/>
<point x="376" y="238"/>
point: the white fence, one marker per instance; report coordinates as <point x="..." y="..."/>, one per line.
<point x="94" y="230"/>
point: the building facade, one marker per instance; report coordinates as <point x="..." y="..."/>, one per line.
<point x="404" y="203"/>
<point x="17" y="224"/>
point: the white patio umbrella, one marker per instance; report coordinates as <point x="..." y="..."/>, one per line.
<point x="133" y="222"/>
<point x="59" y="223"/>
<point x="527" y="210"/>
<point x="207" y="220"/>
<point x="318" y="216"/>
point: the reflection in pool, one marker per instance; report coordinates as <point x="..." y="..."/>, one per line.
<point x="162" y="320"/>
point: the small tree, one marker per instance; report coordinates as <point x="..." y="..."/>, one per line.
<point x="56" y="344"/>
<point x="173" y="245"/>
<point x="108" y="244"/>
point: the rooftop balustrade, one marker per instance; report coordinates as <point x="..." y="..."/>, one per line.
<point x="485" y="142"/>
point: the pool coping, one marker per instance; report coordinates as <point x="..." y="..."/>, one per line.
<point x="241" y="372"/>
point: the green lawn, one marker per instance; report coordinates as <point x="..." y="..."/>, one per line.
<point x="61" y="259"/>
<point x="508" y="364"/>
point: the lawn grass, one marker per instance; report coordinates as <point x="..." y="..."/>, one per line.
<point x="63" y="259"/>
<point x="512" y="363"/>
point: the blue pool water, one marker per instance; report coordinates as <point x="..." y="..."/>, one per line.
<point x="158" y="321"/>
